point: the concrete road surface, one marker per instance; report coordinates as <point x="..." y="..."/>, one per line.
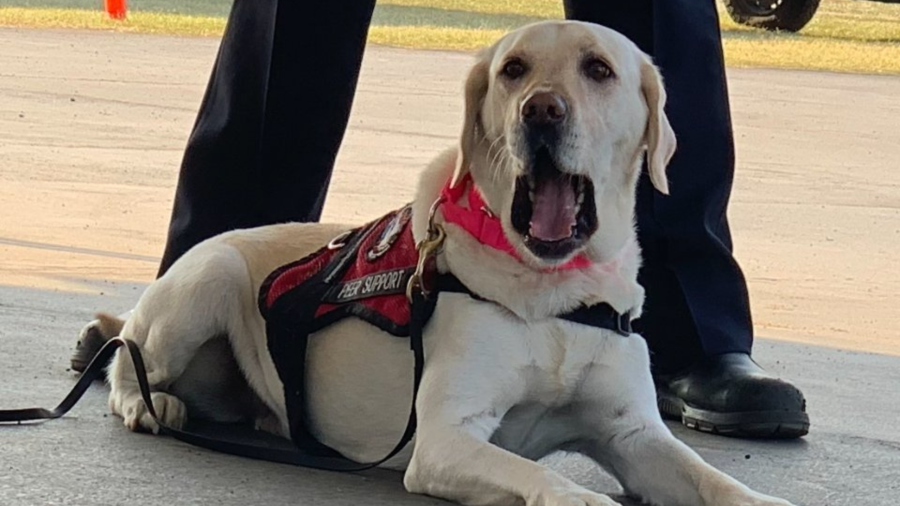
<point x="92" y="126"/>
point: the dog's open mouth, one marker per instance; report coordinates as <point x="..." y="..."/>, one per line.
<point x="555" y="212"/>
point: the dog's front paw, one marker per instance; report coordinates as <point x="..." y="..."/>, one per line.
<point x="572" y="495"/>
<point x="170" y="410"/>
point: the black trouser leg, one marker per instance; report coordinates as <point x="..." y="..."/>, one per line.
<point x="272" y="120"/>
<point x="697" y="303"/>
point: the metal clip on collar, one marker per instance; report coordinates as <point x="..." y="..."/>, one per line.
<point x="427" y="248"/>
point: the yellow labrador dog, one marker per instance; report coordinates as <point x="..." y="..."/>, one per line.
<point x="559" y="116"/>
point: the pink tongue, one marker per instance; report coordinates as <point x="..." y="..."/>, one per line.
<point x="553" y="210"/>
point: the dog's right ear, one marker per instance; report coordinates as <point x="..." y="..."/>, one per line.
<point x="475" y="91"/>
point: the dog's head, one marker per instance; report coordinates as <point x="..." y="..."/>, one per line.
<point x="558" y="116"/>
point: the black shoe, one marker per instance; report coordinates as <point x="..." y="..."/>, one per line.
<point x="731" y="395"/>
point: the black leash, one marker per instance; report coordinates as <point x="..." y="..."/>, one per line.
<point x="422" y="308"/>
<point x="421" y="311"/>
<point x="93" y="372"/>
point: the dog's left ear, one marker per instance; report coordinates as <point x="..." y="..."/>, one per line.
<point x="475" y="91"/>
<point x="659" y="137"/>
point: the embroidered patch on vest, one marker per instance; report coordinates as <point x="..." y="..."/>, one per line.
<point x="394" y="228"/>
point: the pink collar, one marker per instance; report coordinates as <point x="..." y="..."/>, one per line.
<point x="478" y="220"/>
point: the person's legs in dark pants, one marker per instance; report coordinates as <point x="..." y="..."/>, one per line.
<point x="697" y="312"/>
<point x="270" y="125"/>
<point x="272" y="120"/>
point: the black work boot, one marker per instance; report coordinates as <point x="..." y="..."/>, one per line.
<point x="731" y="395"/>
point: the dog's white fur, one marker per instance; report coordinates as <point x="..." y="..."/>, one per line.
<point x="505" y="382"/>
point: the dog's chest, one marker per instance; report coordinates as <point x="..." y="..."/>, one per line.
<point x="557" y="365"/>
<point x="560" y="357"/>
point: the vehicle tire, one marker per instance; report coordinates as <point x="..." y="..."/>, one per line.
<point x="789" y="15"/>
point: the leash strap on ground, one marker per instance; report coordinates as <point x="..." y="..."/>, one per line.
<point x="422" y="310"/>
<point x="93" y="372"/>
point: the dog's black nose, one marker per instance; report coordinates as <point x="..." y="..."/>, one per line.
<point x="544" y="108"/>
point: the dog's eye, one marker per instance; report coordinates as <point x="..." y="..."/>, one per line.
<point x="597" y="69"/>
<point x="514" y="69"/>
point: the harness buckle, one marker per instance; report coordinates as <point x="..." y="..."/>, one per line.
<point x="623" y="324"/>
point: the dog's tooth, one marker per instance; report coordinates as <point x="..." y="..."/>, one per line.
<point x="531" y="195"/>
<point x="580" y="199"/>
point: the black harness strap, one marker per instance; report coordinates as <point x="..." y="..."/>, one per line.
<point x="602" y="315"/>
<point x="288" y="327"/>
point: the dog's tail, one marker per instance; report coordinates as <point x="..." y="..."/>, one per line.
<point x="108" y="326"/>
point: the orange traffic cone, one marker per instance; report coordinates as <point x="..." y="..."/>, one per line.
<point x="116" y="9"/>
